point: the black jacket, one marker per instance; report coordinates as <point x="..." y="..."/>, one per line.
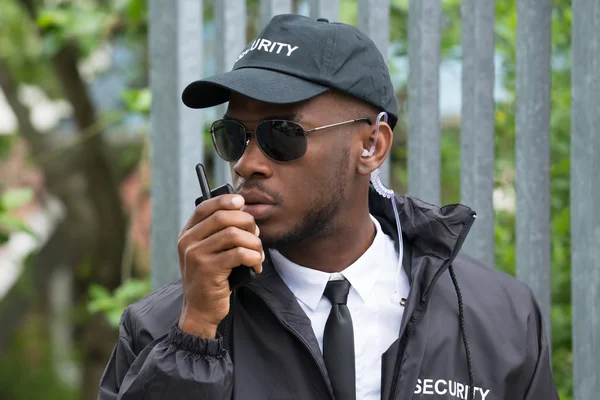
<point x="462" y="323"/>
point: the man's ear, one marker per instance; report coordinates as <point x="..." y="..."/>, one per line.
<point x="372" y="157"/>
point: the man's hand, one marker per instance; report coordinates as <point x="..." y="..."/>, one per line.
<point x="218" y="237"/>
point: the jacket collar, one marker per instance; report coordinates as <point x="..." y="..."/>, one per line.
<point x="427" y="230"/>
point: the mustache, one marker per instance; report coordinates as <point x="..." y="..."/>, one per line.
<point x="259" y="187"/>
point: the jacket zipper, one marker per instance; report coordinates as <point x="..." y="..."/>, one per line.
<point x="415" y="319"/>
<point x="299" y="337"/>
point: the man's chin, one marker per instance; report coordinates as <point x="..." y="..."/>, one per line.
<point x="270" y="242"/>
<point x="278" y="240"/>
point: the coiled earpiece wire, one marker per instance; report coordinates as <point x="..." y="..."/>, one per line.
<point x="389" y="194"/>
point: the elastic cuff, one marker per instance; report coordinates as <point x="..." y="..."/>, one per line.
<point x="204" y="347"/>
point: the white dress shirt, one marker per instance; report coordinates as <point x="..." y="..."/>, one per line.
<point x="375" y="315"/>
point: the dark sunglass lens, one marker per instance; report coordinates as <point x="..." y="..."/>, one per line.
<point x="281" y="140"/>
<point x="229" y="138"/>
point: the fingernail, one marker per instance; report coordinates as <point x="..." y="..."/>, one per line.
<point x="263" y="255"/>
<point x="237" y="201"/>
<point x="257" y="231"/>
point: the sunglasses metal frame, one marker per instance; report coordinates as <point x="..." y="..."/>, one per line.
<point x="304" y="131"/>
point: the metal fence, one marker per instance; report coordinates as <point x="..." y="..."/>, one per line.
<point x="176" y="44"/>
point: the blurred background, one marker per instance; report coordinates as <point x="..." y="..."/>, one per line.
<point x="75" y="212"/>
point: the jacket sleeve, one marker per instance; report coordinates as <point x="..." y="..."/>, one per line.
<point x="176" y="365"/>
<point x="541" y="384"/>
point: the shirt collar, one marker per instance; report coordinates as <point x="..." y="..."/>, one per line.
<point x="309" y="284"/>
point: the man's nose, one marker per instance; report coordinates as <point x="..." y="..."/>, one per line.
<point x="253" y="161"/>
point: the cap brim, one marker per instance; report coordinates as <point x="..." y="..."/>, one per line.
<point x="258" y="84"/>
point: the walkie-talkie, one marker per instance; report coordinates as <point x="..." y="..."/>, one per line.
<point x="240" y="275"/>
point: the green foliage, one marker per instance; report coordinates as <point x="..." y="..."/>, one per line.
<point x="112" y="305"/>
<point x="89" y="24"/>
<point x="15" y="198"/>
<point x="80" y="21"/>
<point x="23" y="50"/>
<point x="6" y="145"/>
<point x="137" y="100"/>
<point x="27" y="368"/>
<point x="134" y="13"/>
<point x="9" y="201"/>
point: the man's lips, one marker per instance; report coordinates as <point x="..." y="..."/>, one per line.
<point x="258" y="211"/>
<point x="257" y="204"/>
<point x="256" y="198"/>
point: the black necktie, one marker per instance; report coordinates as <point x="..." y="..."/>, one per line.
<point x="338" y="341"/>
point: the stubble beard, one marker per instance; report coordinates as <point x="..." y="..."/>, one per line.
<point x="323" y="218"/>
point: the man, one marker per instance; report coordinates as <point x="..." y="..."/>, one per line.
<point x="330" y="314"/>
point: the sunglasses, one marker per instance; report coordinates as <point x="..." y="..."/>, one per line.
<point x="279" y="140"/>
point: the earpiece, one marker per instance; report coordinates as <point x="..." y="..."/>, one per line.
<point x="369" y="153"/>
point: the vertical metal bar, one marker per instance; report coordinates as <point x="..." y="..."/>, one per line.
<point x="176" y="143"/>
<point x="532" y="131"/>
<point x="585" y="197"/>
<point x="270" y="8"/>
<point x="230" y="19"/>
<point x="477" y="125"/>
<point x="424" y="22"/>
<point x="329" y="9"/>
<point x="374" y="21"/>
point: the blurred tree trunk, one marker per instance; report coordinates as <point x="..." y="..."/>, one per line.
<point x="85" y="183"/>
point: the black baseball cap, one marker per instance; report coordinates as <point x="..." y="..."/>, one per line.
<point x="295" y="58"/>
